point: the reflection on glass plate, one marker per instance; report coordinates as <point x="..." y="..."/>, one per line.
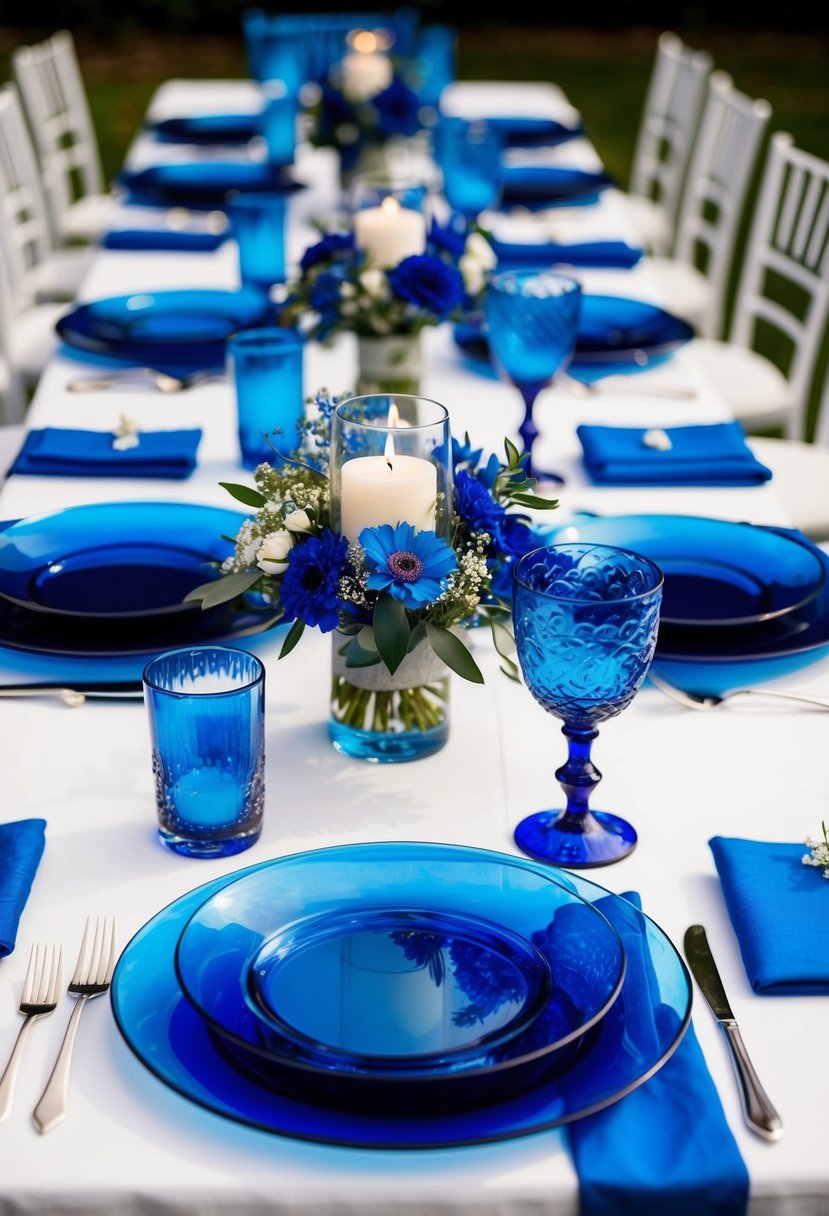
<point x="639" y="1033"/>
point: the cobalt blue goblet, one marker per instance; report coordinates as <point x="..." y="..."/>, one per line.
<point x="532" y="317"/>
<point x="585" y="618"/>
<point x="469" y="156"/>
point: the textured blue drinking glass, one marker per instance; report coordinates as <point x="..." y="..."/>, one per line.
<point x="469" y="156"/>
<point x="257" y="222"/>
<point x="267" y="372"/>
<point x="435" y="62"/>
<point x="206" y="709"/>
<point x="586" y="618"/>
<point x="533" y="319"/>
<point x="279" y="117"/>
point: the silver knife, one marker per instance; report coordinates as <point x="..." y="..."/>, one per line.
<point x="760" y="1114"/>
<point x="75" y="694"/>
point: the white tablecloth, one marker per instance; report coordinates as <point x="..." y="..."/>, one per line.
<point x="132" y="1146"/>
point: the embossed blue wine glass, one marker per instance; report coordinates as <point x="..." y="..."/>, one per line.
<point x="585" y="618"/>
<point x="532" y="317"/>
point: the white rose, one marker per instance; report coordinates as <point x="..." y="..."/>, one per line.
<point x="474" y="275"/>
<point x="298" y="521"/>
<point x="479" y="248"/>
<point x="373" y="283"/>
<point x="273" y="552"/>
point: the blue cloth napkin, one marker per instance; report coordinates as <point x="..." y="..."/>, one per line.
<point x="57" y="452"/>
<point x="615" y="254"/>
<point x="779" y="909"/>
<point x="711" y="455"/>
<point x="548" y="185"/>
<point x="21" y="848"/>
<point x="164" y="239"/>
<point x="666" y="1147"/>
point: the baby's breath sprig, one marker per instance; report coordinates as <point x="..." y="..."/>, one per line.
<point x="819" y="855"/>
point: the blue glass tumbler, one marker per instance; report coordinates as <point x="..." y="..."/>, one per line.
<point x="257" y="223"/>
<point x="469" y="156"/>
<point x="268" y="375"/>
<point x="279" y="119"/>
<point x="585" y="619"/>
<point x="206" y="709"/>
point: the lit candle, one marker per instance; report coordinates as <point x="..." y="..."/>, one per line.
<point x="387" y="489"/>
<point x="389" y="233"/>
<point x="364" y="75"/>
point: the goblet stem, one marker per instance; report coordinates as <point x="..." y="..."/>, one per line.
<point x="528" y="430"/>
<point x="578" y="777"/>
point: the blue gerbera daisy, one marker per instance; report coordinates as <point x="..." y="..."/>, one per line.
<point x="309" y="585"/>
<point x="410" y="565"/>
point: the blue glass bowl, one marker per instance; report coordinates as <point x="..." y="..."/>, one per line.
<point x="640" y="1032"/>
<point x="346" y="976"/>
<point x="711" y="660"/>
<point x="173" y="325"/>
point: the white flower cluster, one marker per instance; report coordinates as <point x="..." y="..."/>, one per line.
<point x="819" y="855"/>
<point x="466" y="585"/>
<point x="289" y="512"/>
<point x="477" y="260"/>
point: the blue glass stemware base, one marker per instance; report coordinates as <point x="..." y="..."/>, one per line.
<point x="595" y="838"/>
<point x="224" y="847"/>
<point x="380" y="747"/>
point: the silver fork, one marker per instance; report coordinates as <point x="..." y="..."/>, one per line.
<point x="694" y="700"/>
<point x="40" y="996"/>
<point x="93" y="976"/>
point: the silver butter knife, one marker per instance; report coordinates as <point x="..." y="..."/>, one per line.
<point x="77" y="693"/>
<point x="760" y="1114"/>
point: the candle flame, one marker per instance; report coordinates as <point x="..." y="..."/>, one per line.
<point x="390" y="205"/>
<point x="392" y="421"/>
<point x="365" y="41"/>
<point x="388" y="451"/>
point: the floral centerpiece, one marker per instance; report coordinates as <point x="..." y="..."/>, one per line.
<point x="339" y="290"/>
<point x="396" y="597"/>
<point x="360" y="127"/>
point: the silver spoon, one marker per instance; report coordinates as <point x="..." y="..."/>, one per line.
<point x="693" y="700"/>
<point x="160" y="380"/>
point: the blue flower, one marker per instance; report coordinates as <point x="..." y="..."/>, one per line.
<point x="397" y="110"/>
<point x="516" y="537"/>
<point x="464" y="453"/>
<point x="409" y="565"/>
<point x="447" y="240"/>
<point x="427" y="282"/>
<point x="309" y="585"/>
<point x="476" y="506"/>
<point x="327" y="249"/>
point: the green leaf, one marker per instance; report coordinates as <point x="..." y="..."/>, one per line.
<point x="453" y="652"/>
<point x="292" y="637"/>
<point x="221" y="590"/>
<point x="512" y="453"/>
<point x="391" y="631"/>
<point x="245" y="494"/>
<point x="417" y="635"/>
<point x="502" y="639"/>
<point x="538" y="503"/>
<point x="357" y="656"/>
<point x="365" y="638"/>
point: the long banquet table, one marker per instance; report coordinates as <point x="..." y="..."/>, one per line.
<point x="130" y="1145"/>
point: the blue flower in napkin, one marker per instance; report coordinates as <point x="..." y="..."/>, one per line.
<point x="715" y="454"/>
<point x="779" y="910"/>
<point x="21" y="848"/>
<point x="60" y="452"/>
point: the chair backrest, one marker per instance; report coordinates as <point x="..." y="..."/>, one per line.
<point x="783" y="294"/>
<point x="25" y="239"/>
<point x="54" y="98"/>
<point x="715" y="188"/>
<point x="669" y="121"/>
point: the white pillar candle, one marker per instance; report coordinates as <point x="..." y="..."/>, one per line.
<point x="389" y="233"/>
<point x="365" y="75"/>
<point x="392" y="490"/>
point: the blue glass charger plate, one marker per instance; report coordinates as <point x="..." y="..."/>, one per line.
<point x="170" y="326"/>
<point x="456" y="975"/>
<point x="539" y="186"/>
<point x="107" y="579"/>
<point x="641" y="1031"/>
<point x="711" y="661"/>
<point x="615" y="334"/>
<point x="203" y="184"/>
<point x="209" y="128"/>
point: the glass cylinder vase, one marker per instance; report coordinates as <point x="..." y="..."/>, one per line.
<point x="385" y="718"/>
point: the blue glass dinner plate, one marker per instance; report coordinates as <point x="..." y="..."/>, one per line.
<point x="203" y="184"/>
<point x="209" y="128"/>
<point x="640" y="1032"/>
<point x="712" y="660"/>
<point x="615" y="334"/>
<point x="173" y="326"/>
<point x="539" y="186"/>
<point x="107" y="579"/>
<point x="351" y="976"/>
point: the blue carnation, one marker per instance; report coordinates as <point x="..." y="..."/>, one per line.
<point x="476" y="506"/>
<point x="397" y="110"/>
<point x="333" y="246"/>
<point x="515" y="536"/>
<point x="447" y="240"/>
<point x="309" y="586"/>
<point x="427" y="282"/>
<point x="410" y="565"/>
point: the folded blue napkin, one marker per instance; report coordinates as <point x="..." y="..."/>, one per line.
<point x="518" y="132"/>
<point x="666" y="1147"/>
<point x="21" y="848"/>
<point x="164" y="239"/>
<point x="711" y="455"/>
<point x="548" y="185"/>
<point x="779" y="910"/>
<point x="57" y="452"/>
<point x="615" y="254"/>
